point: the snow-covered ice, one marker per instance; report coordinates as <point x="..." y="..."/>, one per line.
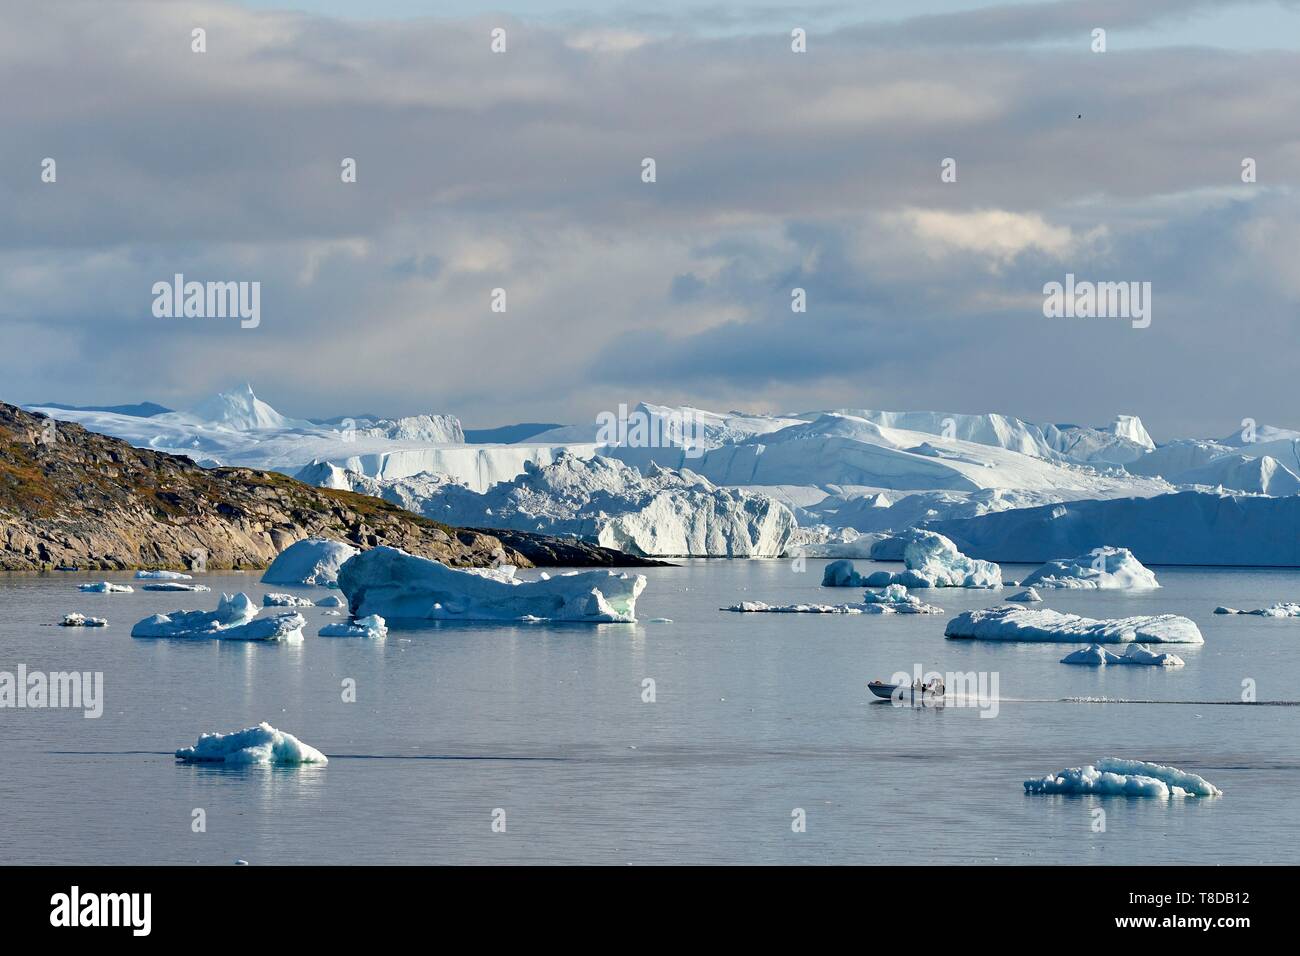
<point x="234" y="619"/>
<point x="1095" y="655"/>
<point x="1112" y="776"/>
<point x="106" y="587"/>
<point x="77" y="619"/>
<point x="163" y="576"/>
<point x="262" y="744"/>
<point x="1102" y="568"/>
<point x="402" y="587"/>
<point x="894" y="599"/>
<point x="174" y="586"/>
<point x="330" y="600"/>
<point x="1027" y="596"/>
<point x="1006" y="622"/>
<point x="373" y="627"/>
<point x="310" y="561"/>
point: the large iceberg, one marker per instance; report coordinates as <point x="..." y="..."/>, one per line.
<point x="262" y="744"/>
<point x="1112" y="776"/>
<point x="1100" y="569"/>
<point x="1008" y="623"/>
<point x="1189" y="527"/>
<point x="402" y="587"/>
<point x="310" y="561"/>
<point x="932" y="561"/>
<point x="662" y="513"/>
<point x="1094" y="655"/>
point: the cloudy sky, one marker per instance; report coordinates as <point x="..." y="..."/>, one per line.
<point x="775" y="170"/>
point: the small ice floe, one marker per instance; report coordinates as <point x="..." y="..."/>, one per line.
<point x="331" y="613"/>
<point x="1103" y="568"/>
<point x="311" y="561"/>
<point x="1094" y="655"/>
<point x="174" y="586"/>
<point x="931" y="561"/>
<point x="1280" y="609"/>
<point x="1006" y="622"/>
<point x="285" y="600"/>
<point x="403" y="587"/>
<point x="330" y="600"/>
<point x="1027" y="596"/>
<point x="894" y="599"/>
<point x="372" y="627"/>
<point x="76" y="619"/>
<point x="1129" y="778"/>
<point x="660" y="620"/>
<point x="106" y="587"/>
<point x="262" y="744"/>
<point x="162" y="576"/>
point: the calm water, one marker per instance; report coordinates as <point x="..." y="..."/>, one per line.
<point x="755" y="715"/>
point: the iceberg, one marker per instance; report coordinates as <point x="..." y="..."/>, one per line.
<point x="1027" y="596"/>
<point x="77" y="619"/>
<point x="1260" y="475"/>
<point x="1129" y="778"/>
<point x="262" y="744"/>
<point x="1008" y="623"/>
<point x="1095" y="655"/>
<point x="275" y="599"/>
<point x="310" y="561"/>
<point x="286" y="627"/>
<point x="330" y="600"/>
<point x="842" y="574"/>
<point x="663" y="513"/>
<point x="1187" y="527"/>
<point x="163" y="576"/>
<point x="174" y="586"/>
<point x="373" y="627"/>
<point x="232" y="611"/>
<point x="933" y="561"/>
<point x="1280" y="609"/>
<point x="106" y="587"/>
<point x="1100" y="569"/>
<point x="402" y="587"/>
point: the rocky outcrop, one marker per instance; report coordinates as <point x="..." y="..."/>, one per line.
<point x="73" y="498"/>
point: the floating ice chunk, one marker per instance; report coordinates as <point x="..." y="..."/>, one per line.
<point x="174" y="586"/>
<point x="232" y="610"/>
<point x="285" y="627"/>
<point x="262" y="744"/>
<point x="403" y="587"/>
<point x="1101" y="568"/>
<point x="933" y="561"/>
<point x="163" y="576"/>
<point x="106" y="587"/>
<point x="1027" y="596"/>
<point x="1280" y="609"/>
<point x="330" y="600"/>
<point x="1130" y="778"/>
<point x="286" y="600"/>
<point x="76" y="619"/>
<point x="842" y="574"/>
<point x="1095" y="655"/>
<point x="310" y="561"/>
<point x="372" y="627"/>
<point x="1008" y="623"/>
<point x="893" y="600"/>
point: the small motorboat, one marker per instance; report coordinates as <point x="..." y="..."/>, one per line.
<point x="905" y="692"/>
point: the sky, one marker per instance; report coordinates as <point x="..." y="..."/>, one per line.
<point x="774" y="170"/>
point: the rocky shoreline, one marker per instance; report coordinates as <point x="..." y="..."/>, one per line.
<point x="74" y="499"/>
